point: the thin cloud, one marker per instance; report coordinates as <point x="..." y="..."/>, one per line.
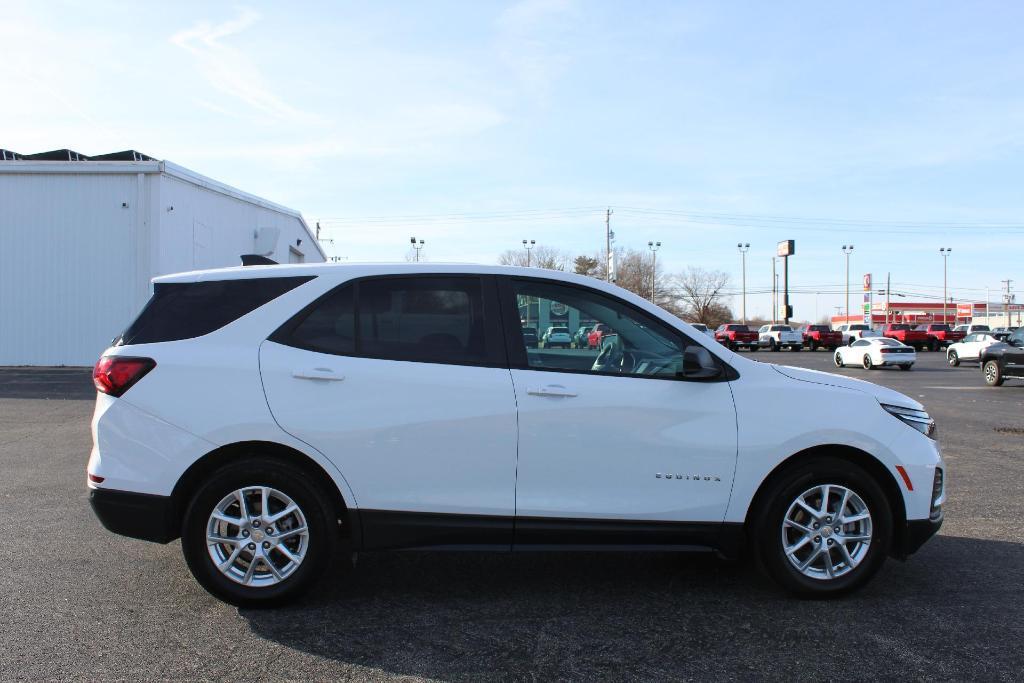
<point x="229" y="70"/>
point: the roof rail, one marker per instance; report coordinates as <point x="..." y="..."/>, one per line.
<point x="257" y="260"/>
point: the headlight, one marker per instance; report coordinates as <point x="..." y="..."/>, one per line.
<point x="918" y="419"/>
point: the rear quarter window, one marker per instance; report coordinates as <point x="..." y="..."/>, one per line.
<point x="185" y="310"/>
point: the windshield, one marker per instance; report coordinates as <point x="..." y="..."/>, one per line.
<point x="819" y="328"/>
<point x="979" y="328"/>
<point x="737" y="328"/>
<point x="899" y="327"/>
<point x="559" y="330"/>
<point x="781" y="328"/>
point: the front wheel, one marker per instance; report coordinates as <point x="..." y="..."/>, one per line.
<point x="772" y="346"/>
<point x="953" y="359"/>
<point x="934" y="346"/>
<point x="814" y="346"/>
<point x="993" y="375"/>
<point x="838" y="359"/>
<point x="258" y="533"/>
<point x="824" y="528"/>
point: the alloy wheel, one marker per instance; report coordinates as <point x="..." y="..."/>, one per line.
<point x="257" y="536"/>
<point x="826" y="532"/>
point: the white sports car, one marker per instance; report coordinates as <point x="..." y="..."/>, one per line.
<point x="970" y="347"/>
<point x="876" y="352"/>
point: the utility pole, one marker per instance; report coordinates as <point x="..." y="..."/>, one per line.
<point x="417" y="247"/>
<point x="654" y="247"/>
<point x="945" y="261"/>
<point x="744" y="248"/>
<point x="528" y="247"/>
<point x="1006" y="297"/>
<point x="775" y="292"/>
<point x="888" y="289"/>
<point x="847" y="249"/>
<point x="608" y="243"/>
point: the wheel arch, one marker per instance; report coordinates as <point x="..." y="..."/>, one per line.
<point x="855" y="456"/>
<point x="191" y="479"/>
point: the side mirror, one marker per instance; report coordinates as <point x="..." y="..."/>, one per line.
<point x="699" y="364"/>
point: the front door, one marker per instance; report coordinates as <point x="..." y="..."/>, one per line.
<point x="400" y="381"/>
<point x="614" y="447"/>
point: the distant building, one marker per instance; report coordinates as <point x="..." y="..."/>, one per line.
<point x="81" y="237"/>
<point x="923" y="312"/>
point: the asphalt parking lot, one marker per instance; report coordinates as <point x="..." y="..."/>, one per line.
<point x="79" y="602"/>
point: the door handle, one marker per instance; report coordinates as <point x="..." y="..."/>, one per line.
<point x="551" y="390"/>
<point x="317" y="373"/>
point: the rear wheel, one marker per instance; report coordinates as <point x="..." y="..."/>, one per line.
<point x="258" y="533"/>
<point x="866" y="362"/>
<point x="906" y="366"/>
<point x="993" y="375"/>
<point x="824" y="528"/>
<point x="934" y="346"/>
<point x="953" y="358"/>
<point x="814" y="345"/>
<point x="772" y="346"/>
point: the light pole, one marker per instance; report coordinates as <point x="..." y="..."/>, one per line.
<point x="744" y="248"/>
<point x="945" y="262"/>
<point x="528" y="246"/>
<point x="847" y="249"/>
<point x="417" y="246"/>
<point x="653" y="247"/>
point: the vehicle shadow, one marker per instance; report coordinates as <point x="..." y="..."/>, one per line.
<point x="655" y="616"/>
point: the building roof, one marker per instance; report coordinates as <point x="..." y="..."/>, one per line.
<point x="133" y="161"/>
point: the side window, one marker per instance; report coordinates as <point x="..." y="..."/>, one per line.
<point x="622" y="341"/>
<point x="426" y="319"/>
<point x="1017" y="338"/>
<point x="422" y="319"/>
<point x="331" y="326"/>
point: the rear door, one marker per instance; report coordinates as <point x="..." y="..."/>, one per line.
<point x="402" y="382"/>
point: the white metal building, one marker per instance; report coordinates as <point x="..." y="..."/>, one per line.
<point x="80" y="238"/>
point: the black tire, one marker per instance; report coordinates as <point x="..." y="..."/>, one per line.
<point x="776" y="499"/>
<point x="838" y="360"/>
<point x="794" y="349"/>
<point x="934" y="346"/>
<point x="867" y="363"/>
<point x="993" y="373"/>
<point x="755" y="348"/>
<point x="906" y="366"/>
<point x="772" y="346"/>
<point x="953" y="358"/>
<point x="814" y="345"/>
<point x="293" y="482"/>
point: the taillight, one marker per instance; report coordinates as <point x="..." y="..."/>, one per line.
<point x="887" y="350"/>
<point x="115" y="375"/>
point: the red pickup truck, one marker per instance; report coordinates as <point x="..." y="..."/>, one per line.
<point x="822" y="336"/>
<point x="904" y="332"/>
<point x="940" y="335"/>
<point x="735" y="336"/>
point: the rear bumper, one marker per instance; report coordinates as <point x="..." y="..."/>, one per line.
<point x="917" y="533"/>
<point x="137" y="515"/>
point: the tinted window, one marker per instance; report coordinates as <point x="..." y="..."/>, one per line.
<point x="1017" y="338"/>
<point x="627" y="342"/>
<point x="423" y="319"/>
<point x="184" y="310"/>
<point x="331" y="326"/>
<point x="426" y="319"/>
<point x="979" y="327"/>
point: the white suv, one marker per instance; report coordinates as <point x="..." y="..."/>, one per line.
<point x="273" y="416"/>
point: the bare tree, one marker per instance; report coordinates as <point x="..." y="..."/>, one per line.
<point x="542" y="256"/>
<point x="700" y="294"/>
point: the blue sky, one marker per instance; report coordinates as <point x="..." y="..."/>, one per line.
<point x="897" y="128"/>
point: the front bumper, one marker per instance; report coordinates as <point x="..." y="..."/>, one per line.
<point x="916" y="534"/>
<point x="137" y="515"/>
